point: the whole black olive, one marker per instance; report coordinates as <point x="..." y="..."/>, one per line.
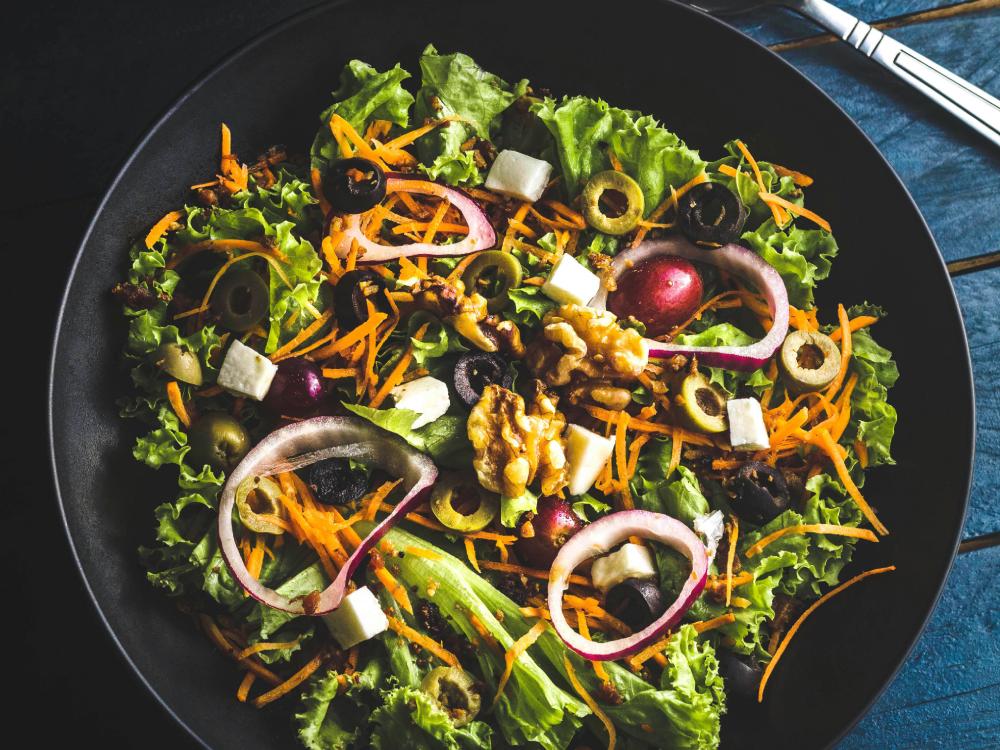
<point x="712" y="213"/>
<point x="742" y="677"/>
<point x="476" y="370"/>
<point x="353" y="186"/>
<point x="353" y="291"/>
<point x="240" y="299"/>
<point x="334" y="482"/>
<point x="762" y="493"/>
<point x="636" y="603"/>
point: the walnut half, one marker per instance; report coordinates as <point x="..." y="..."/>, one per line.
<point x="514" y="447"/>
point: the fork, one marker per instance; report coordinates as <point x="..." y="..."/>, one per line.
<point x="976" y="108"/>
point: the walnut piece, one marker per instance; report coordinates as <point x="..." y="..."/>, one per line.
<point x="579" y="339"/>
<point x="513" y="447"/>
<point x="467" y="314"/>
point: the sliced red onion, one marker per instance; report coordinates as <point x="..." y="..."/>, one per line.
<point x="481" y="234"/>
<point x="599" y="538"/>
<point x="738" y="261"/>
<point x="304" y="443"/>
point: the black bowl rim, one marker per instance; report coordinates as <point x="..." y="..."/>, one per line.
<point x="229" y="59"/>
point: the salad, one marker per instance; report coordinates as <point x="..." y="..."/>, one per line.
<point x="500" y="419"/>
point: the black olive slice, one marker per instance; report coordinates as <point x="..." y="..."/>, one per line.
<point x="762" y="493"/>
<point x="476" y="370"/>
<point x="240" y="299"/>
<point x="711" y="213"/>
<point x="335" y="482"/>
<point x="354" y="185"/>
<point x="636" y="603"/>
<point x="742" y="678"/>
<point x="353" y="290"/>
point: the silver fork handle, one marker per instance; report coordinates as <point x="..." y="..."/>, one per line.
<point x="970" y="104"/>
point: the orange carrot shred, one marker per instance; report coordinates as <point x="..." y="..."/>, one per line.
<point x="810" y="528"/>
<point x="512" y="654"/>
<point x="177" y="403"/>
<point x="589" y="700"/>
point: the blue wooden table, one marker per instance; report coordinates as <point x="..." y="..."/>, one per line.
<point x="948" y="693"/>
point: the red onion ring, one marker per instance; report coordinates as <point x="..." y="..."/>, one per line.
<point x="304" y="443"/>
<point x="481" y="234"/>
<point x="597" y="539"/>
<point x="738" y="261"/>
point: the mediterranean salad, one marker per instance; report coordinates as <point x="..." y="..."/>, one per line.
<point x="500" y="418"/>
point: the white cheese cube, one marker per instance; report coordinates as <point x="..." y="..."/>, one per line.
<point x="711" y="526"/>
<point x="629" y="561"/>
<point x="427" y="396"/>
<point x="570" y="283"/>
<point x="358" y="618"/>
<point x="519" y="175"/>
<point x="747" y="431"/>
<point x="586" y="454"/>
<point x="245" y="372"/>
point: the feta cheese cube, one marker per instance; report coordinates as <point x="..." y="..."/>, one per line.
<point x="586" y="454"/>
<point x="711" y="526"/>
<point x="570" y="283"/>
<point x="747" y="431"/>
<point x="244" y="372"/>
<point x="629" y="561"/>
<point x="519" y="175"/>
<point x="358" y="618"/>
<point x="427" y="396"/>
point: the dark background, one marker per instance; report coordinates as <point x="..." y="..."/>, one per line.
<point x="79" y="85"/>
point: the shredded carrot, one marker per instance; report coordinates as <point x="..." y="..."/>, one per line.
<point x="317" y="186"/>
<point x="856" y="324"/>
<point x="776" y="200"/>
<point x="709" y="305"/>
<point x="404" y="140"/>
<point x="581" y="623"/>
<point x="256" y="562"/>
<point x="219" y="639"/>
<point x="798" y="623"/>
<point x="459" y="269"/>
<point x="779" y="216"/>
<point x="825" y="441"/>
<point x="641" y="425"/>
<point x="512" y="654"/>
<point x="734" y="532"/>
<point x="845" y="352"/>
<point x="177" y="403"/>
<point x="591" y="703"/>
<point x="810" y="528"/>
<point x="718" y="582"/>
<point x="676" y="442"/>
<point x="802" y="180"/>
<point x="621" y="461"/>
<point x="470" y="552"/>
<point x="244" y="690"/>
<point x="265" y="646"/>
<point x="740" y="603"/>
<point x="637" y="660"/>
<point x="862" y="450"/>
<point x="301" y="336"/>
<point x="398" y="371"/>
<point x="425" y="642"/>
<point x="371" y="505"/>
<point x="339" y="373"/>
<point x="715" y="622"/>
<point x="566" y="212"/>
<point x="530" y="572"/>
<point x="352" y="338"/>
<point x="435" y="222"/>
<point x="292" y="682"/>
<point x="160" y="227"/>
<point x="394" y="587"/>
<point x="667" y="204"/>
<point x="786" y="429"/>
<point x="633" y="453"/>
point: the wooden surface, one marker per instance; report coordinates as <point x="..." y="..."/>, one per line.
<point x="88" y="79"/>
<point x="948" y="694"/>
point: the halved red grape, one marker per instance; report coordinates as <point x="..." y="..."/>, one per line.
<point x="298" y="389"/>
<point x="660" y="292"/>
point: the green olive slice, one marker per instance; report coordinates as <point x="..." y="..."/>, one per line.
<point x="219" y="440"/>
<point x="703" y="404"/>
<point x="179" y="363"/>
<point x="451" y="490"/>
<point x="810" y="360"/>
<point x="455" y="691"/>
<point x="622" y="184"/>
<point x="240" y="299"/>
<point x="256" y="498"/>
<point x="493" y="274"/>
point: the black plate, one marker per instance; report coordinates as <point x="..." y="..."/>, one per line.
<point x="707" y="82"/>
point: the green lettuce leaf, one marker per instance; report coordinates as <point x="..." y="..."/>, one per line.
<point x="746" y="187"/>
<point x="873" y="418"/>
<point x="584" y="129"/>
<point x="409" y="719"/>
<point x="512" y="508"/>
<point x="530" y="305"/>
<point x="726" y="334"/>
<point x="445" y="439"/>
<point x="801" y="256"/>
<point x="364" y="95"/>
<point x="455" y="85"/>
<point x="331" y="721"/>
